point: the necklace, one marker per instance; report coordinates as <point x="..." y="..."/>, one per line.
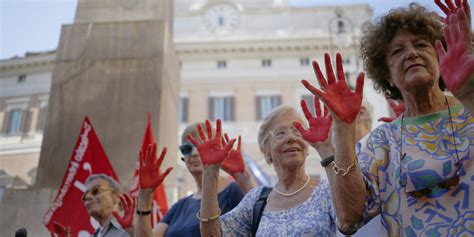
<point x="293" y="193"/>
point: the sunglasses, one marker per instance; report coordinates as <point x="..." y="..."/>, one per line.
<point x="186" y="149"/>
<point x="445" y="185"/>
<point x="96" y="190"/>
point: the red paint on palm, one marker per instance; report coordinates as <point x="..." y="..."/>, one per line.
<point x="211" y="150"/>
<point x="149" y="171"/>
<point x="450" y="8"/>
<point x="128" y="206"/>
<point x="235" y="162"/>
<point x="336" y="95"/>
<point x="456" y="64"/>
<point x="319" y="125"/>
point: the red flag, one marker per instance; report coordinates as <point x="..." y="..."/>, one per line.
<point x="87" y="158"/>
<point x="160" y="204"/>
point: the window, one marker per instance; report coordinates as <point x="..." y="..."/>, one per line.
<point x="14" y="121"/>
<point x="265" y="104"/>
<point x="266" y="63"/>
<point x="183" y="110"/>
<point x="309" y="99"/>
<point x="2" y="190"/>
<point x="341" y="29"/>
<point x="21" y="79"/>
<point x="221" y="108"/>
<point x="221" y="64"/>
<point x="304" y="62"/>
<point x="42" y="118"/>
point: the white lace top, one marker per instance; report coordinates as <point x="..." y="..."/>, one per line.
<point x="314" y="217"/>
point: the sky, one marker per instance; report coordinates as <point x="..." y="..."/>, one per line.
<point x="35" y="25"/>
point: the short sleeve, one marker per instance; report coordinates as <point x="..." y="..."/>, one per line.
<point x="170" y="213"/>
<point x="238" y="221"/>
<point x="369" y="150"/>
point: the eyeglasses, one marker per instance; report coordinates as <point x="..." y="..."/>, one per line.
<point x="186" y="149"/>
<point x="445" y="185"/>
<point x="96" y="190"/>
<point x="282" y="133"/>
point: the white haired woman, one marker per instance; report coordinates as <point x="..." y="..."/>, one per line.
<point x="296" y="206"/>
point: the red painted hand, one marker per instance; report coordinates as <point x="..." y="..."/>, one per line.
<point x="457" y="64"/>
<point x="128" y="205"/>
<point x="235" y="162"/>
<point x="211" y="150"/>
<point x="398" y="109"/>
<point x="60" y="230"/>
<point x="343" y="103"/>
<point x="319" y="125"/>
<point x="149" y="172"/>
<point x="450" y="8"/>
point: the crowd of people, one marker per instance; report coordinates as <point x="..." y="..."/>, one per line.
<point x="415" y="171"/>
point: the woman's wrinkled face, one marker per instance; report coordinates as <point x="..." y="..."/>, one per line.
<point x="412" y="62"/>
<point x="287" y="146"/>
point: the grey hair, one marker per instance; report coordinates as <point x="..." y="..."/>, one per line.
<point x="267" y="124"/>
<point x="193" y="130"/>
<point x="112" y="182"/>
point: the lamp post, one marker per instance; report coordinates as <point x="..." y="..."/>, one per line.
<point x="340" y="22"/>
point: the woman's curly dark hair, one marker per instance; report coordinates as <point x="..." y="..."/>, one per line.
<point x="415" y="19"/>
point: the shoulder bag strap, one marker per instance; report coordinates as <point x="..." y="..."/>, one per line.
<point x="258" y="208"/>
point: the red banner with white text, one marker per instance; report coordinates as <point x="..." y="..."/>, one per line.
<point x="68" y="209"/>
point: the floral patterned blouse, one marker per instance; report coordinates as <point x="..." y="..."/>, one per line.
<point x="314" y="217"/>
<point x="434" y="152"/>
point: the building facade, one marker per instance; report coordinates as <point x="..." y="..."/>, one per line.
<point x="239" y="60"/>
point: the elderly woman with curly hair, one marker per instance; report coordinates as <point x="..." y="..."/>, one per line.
<point x="416" y="171"/>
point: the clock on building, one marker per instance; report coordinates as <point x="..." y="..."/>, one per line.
<point x="221" y="18"/>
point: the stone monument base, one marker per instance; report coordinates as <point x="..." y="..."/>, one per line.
<point x="25" y="209"/>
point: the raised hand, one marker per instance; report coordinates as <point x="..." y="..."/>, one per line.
<point x="128" y="204"/>
<point x="319" y="125"/>
<point x="450" y="8"/>
<point x="343" y="103"/>
<point x="457" y="64"/>
<point x="60" y="230"/>
<point x="211" y="150"/>
<point x="149" y="172"/>
<point x="398" y="109"/>
<point x="235" y="162"/>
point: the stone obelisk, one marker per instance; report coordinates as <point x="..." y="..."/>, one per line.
<point x="115" y="64"/>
